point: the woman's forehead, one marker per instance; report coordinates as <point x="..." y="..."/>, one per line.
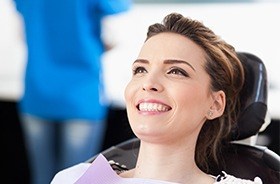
<point x="172" y="46"/>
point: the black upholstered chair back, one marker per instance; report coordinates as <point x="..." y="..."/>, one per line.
<point x="253" y="97"/>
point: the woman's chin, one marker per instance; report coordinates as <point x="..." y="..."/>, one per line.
<point x="152" y="136"/>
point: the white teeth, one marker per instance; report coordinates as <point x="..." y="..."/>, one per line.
<point x="153" y="107"/>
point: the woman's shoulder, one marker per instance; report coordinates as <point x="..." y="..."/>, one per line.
<point x="225" y="178"/>
<point x="71" y="174"/>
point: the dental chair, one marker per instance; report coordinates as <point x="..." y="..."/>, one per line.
<point x="241" y="160"/>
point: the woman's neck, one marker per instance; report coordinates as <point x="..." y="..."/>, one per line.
<point x="168" y="162"/>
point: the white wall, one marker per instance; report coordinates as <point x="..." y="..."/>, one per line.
<point x="12" y="52"/>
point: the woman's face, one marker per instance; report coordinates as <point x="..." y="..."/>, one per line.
<point x="168" y="96"/>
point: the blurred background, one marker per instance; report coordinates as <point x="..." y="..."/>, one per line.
<point x="249" y="25"/>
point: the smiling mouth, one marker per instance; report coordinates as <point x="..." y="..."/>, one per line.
<point x="153" y="107"/>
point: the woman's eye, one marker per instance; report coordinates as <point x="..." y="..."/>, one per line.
<point x="138" y="70"/>
<point x="178" y="71"/>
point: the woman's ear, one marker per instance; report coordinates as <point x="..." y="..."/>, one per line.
<point x="218" y="106"/>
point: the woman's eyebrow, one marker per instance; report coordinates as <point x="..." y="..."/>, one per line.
<point x="167" y="61"/>
<point x="174" y="61"/>
<point x="141" y="61"/>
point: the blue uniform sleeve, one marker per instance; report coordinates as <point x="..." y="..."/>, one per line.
<point x="19" y="5"/>
<point x="109" y="7"/>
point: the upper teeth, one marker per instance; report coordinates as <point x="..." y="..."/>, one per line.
<point x="153" y="107"/>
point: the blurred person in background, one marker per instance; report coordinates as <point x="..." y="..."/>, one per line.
<point x="63" y="108"/>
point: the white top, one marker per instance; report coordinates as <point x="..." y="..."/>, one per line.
<point x="101" y="172"/>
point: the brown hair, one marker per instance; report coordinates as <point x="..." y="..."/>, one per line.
<point x="226" y="74"/>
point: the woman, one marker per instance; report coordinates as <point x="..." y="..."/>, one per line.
<point x="182" y="102"/>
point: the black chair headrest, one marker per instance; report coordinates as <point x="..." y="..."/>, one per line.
<point x="253" y="97"/>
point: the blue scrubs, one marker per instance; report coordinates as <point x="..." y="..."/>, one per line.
<point x="63" y="74"/>
<point x="63" y="106"/>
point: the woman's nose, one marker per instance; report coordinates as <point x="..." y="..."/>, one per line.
<point x="152" y="85"/>
<point x="147" y="88"/>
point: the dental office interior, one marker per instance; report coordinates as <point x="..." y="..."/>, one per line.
<point x="250" y="25"/>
